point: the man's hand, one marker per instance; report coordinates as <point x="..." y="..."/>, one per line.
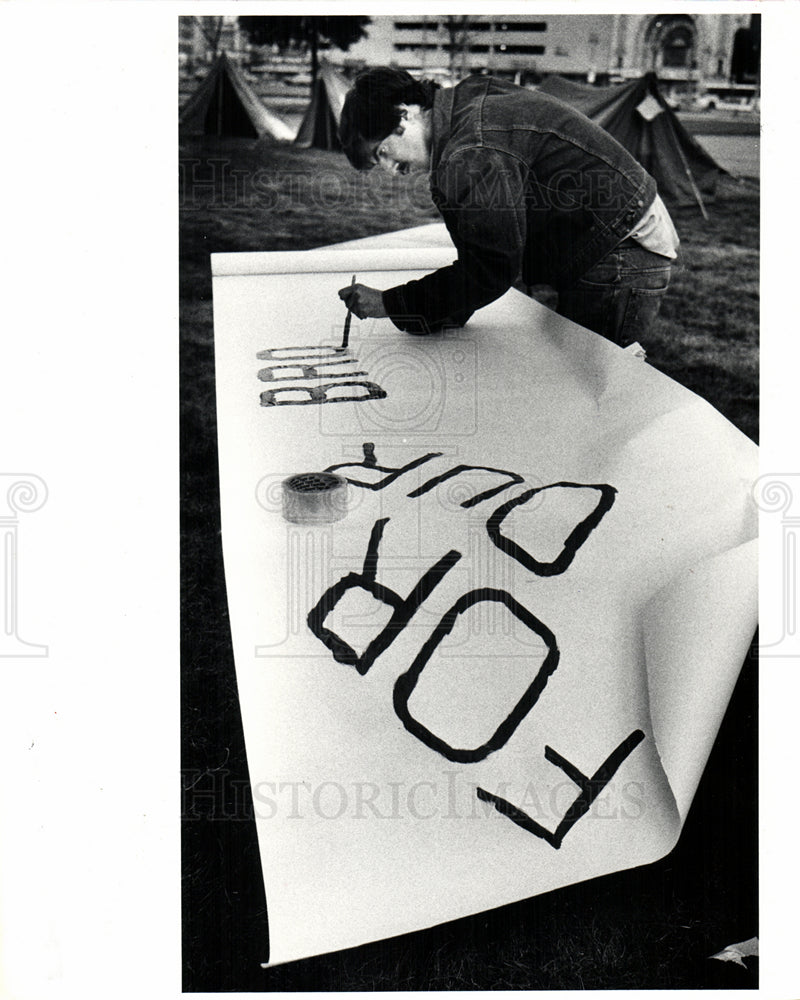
<point x="363" y="301"/>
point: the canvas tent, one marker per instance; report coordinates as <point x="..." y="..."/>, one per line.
<point x="638" y="117"/>
<point x="321" y="120"/>
<point x="226" y="104"/>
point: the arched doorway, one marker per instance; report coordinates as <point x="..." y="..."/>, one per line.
<point x="746" y="55"/>
<point x="670" y="43"/>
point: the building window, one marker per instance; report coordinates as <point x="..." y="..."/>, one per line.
<point x="521" y="50"/>
<point x="411" y="46"/>
<point x="416" y="25"/>
<point x="521" y="25"/>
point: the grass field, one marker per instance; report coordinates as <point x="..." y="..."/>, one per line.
<point x="650" y="928"/>
<point x="239" y="196"/>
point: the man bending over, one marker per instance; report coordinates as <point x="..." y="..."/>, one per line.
<point x="527" y="187"/>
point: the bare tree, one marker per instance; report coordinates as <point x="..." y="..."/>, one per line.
<point x="457" y="27"/>
<point x="211" y="28"/>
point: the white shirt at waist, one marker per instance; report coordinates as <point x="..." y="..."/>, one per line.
<point x="655" y="231"/>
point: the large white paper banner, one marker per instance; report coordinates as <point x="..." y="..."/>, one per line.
<point x="502" y="670"/>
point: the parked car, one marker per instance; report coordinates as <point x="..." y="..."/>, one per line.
<point x="713" y="102"/>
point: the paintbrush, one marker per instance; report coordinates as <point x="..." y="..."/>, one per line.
<point x="349" y="317"/>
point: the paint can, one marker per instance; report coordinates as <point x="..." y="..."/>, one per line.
<point x="314" y="498"/>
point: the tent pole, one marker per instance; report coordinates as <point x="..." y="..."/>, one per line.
<point x="690" y="175"/>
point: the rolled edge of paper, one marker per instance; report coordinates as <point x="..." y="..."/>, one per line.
<point x="314" y="498"/>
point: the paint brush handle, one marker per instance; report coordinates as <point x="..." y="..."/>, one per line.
<point x="348" y="318"/>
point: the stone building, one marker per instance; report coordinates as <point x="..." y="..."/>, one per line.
<point x="687" y="51"/>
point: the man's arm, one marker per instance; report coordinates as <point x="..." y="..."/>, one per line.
<point x="481" y="195"/>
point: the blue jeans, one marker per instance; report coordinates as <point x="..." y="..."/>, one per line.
<point x="620" y="296"/>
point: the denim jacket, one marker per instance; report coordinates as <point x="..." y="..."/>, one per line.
<point x="525" y="185"/>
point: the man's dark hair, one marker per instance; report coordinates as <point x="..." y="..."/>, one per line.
<point x="370" y="110"/>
